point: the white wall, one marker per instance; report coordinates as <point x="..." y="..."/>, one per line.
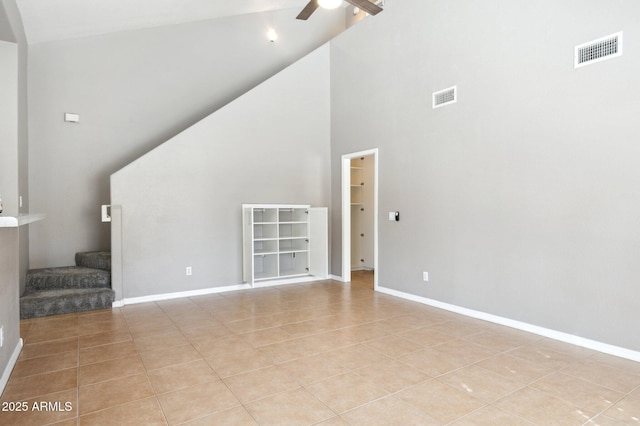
<point x="521" y="200"/>
<point x="180" y="205"/>
<point x="133" y="91"/>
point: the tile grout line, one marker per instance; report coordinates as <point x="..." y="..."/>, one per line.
<point x="360" y="318"/>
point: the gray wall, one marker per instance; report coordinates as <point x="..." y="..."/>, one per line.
<point x="9" y="127"/>
<point x="180" y="205"/>
<point x="134" y="90"/>
<point x="521" y="200"/>
<point x="11" y="26"/>
<point x="15" y="21"/>
<point x="9" y="306"/>
<point x="9" y="237"/>
<point x="6" y="32"/>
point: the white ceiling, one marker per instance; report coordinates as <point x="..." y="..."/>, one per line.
<point x="49" y="20"/>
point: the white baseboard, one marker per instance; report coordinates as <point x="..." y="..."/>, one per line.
<point x="211" y="290"/>
<point x="9" y="368"/>
<point x="541" y="331"/>
<point x="181" y="294"/>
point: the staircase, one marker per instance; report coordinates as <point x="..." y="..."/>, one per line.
<point x="85" y="287"/>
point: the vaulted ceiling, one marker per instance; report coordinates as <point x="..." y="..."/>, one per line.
<point x="49" y="20"/>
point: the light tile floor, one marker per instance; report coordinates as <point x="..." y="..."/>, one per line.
<point x="322" y="353"/>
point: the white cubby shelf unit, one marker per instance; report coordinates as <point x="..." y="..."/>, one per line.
<point x="284" y="243"/>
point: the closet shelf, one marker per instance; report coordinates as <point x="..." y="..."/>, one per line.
<point x="284" y="241"/>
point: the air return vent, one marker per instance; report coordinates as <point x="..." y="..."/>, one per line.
<point x="445" y="97"/>
<point x="598" y="50"/>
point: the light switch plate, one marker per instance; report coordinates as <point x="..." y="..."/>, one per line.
<point x="71" y="118"/>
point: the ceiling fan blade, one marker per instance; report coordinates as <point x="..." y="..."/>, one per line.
<point x="308" y="10"/>
<point x="366" y="5"/>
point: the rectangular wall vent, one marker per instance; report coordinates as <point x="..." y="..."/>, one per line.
<point x="445" y="97"/>
<point x="598" y="50"/>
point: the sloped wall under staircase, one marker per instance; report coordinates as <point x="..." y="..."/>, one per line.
<point x="134" y="90"/>
<point x="180" y="204"/>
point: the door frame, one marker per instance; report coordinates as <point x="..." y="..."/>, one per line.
<point x="346" y="214"/>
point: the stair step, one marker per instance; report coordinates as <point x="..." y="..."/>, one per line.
<point x="65" y="301"/>
<point x="94" y="259"/>
<point x="68" y="277"/>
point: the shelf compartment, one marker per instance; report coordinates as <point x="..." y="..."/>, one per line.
<point x="294" y="244"/>
<point x="356" y="195"/>
<point x="265" y="266"/>
<point x="292" y="215"/>
<point x="265" y="246"/>
<point x="293" y="230"/>
<point x="265" y="230"/>
<point x="265" y="215"/>
<point x="356" y="176"/>
<point x="295" y="263"/>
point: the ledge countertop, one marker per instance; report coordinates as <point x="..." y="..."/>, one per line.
<point x="22" y="219"/>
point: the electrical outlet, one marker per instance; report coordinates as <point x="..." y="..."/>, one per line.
<point x="1" y="336"/>
<point x="189" y="270"/>
<point x="425" y="276"/>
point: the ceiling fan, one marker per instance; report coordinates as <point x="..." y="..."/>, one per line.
<point x="366" y="5"/>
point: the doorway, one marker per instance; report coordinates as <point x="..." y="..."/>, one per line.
<point x="360" y="215"/>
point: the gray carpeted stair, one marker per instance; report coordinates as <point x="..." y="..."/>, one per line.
<point x="94" y="259"/>
<point x="67" y="277"/>
<point x="53" y="291"/>
<point x="53" y="302"/>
